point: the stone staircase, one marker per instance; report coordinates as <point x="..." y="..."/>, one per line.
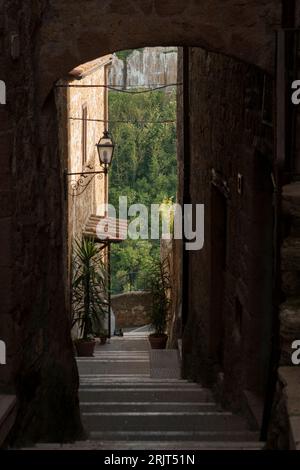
<point x="124" y="406"/>
<point x="169" y="414"/>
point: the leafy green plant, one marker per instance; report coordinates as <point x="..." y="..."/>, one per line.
<point x="89" y="289"/>
<point x="144" y="169"/>
<point x="159" y="286"/>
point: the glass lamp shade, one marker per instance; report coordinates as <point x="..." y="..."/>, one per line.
<point x="105" y="149"/>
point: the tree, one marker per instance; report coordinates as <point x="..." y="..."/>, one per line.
<point x="144" y="169"/>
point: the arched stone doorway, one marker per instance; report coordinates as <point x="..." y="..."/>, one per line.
<point x="53" y="39"/>
<point x="72" y="34"/>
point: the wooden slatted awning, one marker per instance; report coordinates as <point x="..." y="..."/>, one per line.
<point x="106" y="229"/>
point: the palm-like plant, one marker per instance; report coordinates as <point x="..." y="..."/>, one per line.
<point x="159" y="286"/>
<point x="89" y="289"/>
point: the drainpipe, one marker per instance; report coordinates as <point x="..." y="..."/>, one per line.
<point x="186" y="197"/>
<point x="109" y="289"/>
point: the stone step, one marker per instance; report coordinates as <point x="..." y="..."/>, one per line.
<point x="113" y="361"/>
<point x="163" y="421"/>
<point x="115" y="357"/>
<point x="148" y="445"/>
<point x="171" y="437"/>
<point x="165" y="363"/>
<point x="116" y="378"/>
<point x="93" y="366"/>
<point x="101" y="350"/>
<point x="102" y="357"/>
<point x="142" y="407"/>
<point x="138" y="385"/>
<point x="124" y="407"/>
<point x="137" y="352"/>
<point x="123" y="380"/>
<point x="144" y="395"/>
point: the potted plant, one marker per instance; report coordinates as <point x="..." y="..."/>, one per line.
<point x="89" y="287"/>
<point x="158" y="316"/>
<point x="103" y="335"/>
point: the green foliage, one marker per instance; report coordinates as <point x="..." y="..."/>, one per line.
<point x="160" y="284"/>
<point x="144" y="169"/>
<point x="124" y="54"/>
<point x="130" y="263"/>
<point x="89" y="287"/>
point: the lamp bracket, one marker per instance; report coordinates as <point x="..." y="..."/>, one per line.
<point x="80" y="185"/>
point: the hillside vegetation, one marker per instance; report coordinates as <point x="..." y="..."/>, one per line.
<point x="143" y="169"/>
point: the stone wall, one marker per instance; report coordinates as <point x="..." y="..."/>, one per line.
<point x="71" y="94"/>
<point x="131" y="309"/>
<point x="40" y="366"/>
<point x="284" y="430"/>
<point x="170" y="253"/>
<point x="40" y="43"/>
<point x="227" y="336"/>
<point x="72" y="34"/>
<point x="290" y="272"/>
<point x="285" y="423"/>
<point x="147" y="67"/>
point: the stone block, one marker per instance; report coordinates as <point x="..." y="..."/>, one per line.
<point x="5" y="290"/>
<point x="170" y="7"/>
<point x="289" y="328"/>
<point x="8" y="405"/>
<point x="6" y="146"/>
<point x="290" y="378"/>
<point x="5" y="123"/>
<point x="6" y="206"/>
<point x="295" y="433"/>
<point x="290" y="254"/>
<point x="291" y="199"/>
<point x="5" y="242"/>
<point x="290" y="282"/>
<point x="146" y="6"/>
<point x="295" y="227"/>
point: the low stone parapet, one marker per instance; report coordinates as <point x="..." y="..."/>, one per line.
<point x="131" y="309"/>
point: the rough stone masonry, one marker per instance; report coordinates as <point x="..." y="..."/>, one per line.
<point x="41" y="41"/>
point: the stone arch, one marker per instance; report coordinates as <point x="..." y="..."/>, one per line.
<point x="52" y="42"/>
<point x="75" y="33"/>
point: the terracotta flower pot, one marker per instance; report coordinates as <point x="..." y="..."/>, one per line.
<point x="158" y="341"/>
<point x="85" y="348"/>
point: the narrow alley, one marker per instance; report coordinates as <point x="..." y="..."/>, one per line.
<point x="150" y="225"/>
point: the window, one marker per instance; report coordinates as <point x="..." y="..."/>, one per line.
<point x="84" y="134"/>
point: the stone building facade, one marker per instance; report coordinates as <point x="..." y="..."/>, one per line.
<point x="227" y="333"/>
<point x="242" y="294"/>
<point x="82" y="106"/>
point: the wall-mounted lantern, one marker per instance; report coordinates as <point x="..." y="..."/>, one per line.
<point x="105" y="148"/>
